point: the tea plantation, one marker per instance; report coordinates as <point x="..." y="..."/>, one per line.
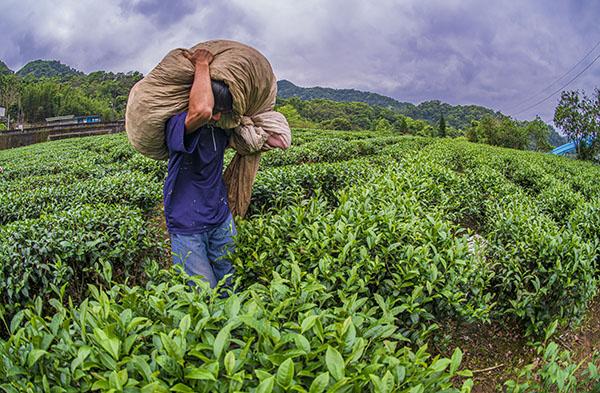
<point x="357" y="245"/>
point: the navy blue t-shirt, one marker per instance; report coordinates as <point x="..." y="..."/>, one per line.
<point x="195" y="195"/>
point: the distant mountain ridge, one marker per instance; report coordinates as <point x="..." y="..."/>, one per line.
<point x="286" y="89"/>
<point x="458" y="116"/>
<point x="48" y="69"/>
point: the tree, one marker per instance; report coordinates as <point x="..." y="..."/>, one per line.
<point x="498" y="132"/>
<point x="383" y="125"/>
<point x="442" y="127"/>
<point x="401" y="125"/>
<point x="539" y="132"/>
<point x="579" y="118"/>
<point x="10" y="92"/>
<point x="339" y="123"/>
<point x="472" y="133"/>
<point x="293" y="117"/>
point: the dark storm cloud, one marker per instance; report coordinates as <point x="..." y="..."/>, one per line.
<point x="495" y="54"/>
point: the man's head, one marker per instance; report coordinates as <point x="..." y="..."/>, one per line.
<point x="223" y="99"/>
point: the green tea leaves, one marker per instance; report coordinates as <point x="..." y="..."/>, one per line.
<point x="335" y="363"/>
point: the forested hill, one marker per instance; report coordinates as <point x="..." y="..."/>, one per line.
<point x="48" y="69"/>
<point x="458" y="116"/>
<point x="4" y="68"/>
<point x="47" y="88"/>
<point x="286" y="89"/>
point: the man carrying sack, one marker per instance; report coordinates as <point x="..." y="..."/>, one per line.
<point x="195" y="196"/>
<point x="189" y="109"/>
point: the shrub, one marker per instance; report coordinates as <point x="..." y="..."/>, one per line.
<point x="69" y="248"/>
<point x="170" y="337"/>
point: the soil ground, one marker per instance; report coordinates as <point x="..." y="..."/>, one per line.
<point x="495" y="353"/>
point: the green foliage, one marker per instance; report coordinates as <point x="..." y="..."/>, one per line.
<point x="556" y="371"/>
<point x="338" y="123"/>
<point x="442" y="127"/>
<point x="108" y="87"/>
<point x="293" y="117"/>
<point x="286" y="89"/>
<point x="383" y="125"/>
<point x="357" y="244"/>
<point x="168" y="336"/>
<point x="48" y="88"/>
<point x="499" y="132"/>
<point x="459" y="116"/>
<point x="401" y="125"/>
<point x="543" y="273"/>
<point x="68" y="248"/>
<point x="10" y="90"/>
<point x="353" y="116"/>
<point x="579" y="118"/>
<point x="48" y="98"/>
<point x="539" y="134"/>
<point x="4" y="68"/>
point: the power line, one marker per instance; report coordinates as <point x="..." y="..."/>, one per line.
<point x="556" y="80"/>
<point x="562" y="87"/>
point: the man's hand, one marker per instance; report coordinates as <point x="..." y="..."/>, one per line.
<point x="199" y="56"/>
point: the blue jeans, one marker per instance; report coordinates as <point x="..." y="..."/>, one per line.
<point x="204" y="254"/>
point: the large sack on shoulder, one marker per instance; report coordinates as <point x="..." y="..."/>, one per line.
<point x="165" y="92"/>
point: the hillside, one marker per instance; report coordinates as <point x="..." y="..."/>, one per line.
<point x="458" y="116"/>
<point x="286" y="89"/>
<point x="4" y="68"/>
<point x="48" y="68"/>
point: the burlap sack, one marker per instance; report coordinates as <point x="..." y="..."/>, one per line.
<point x="249" y="140"/>
<point x="165" y="91"/>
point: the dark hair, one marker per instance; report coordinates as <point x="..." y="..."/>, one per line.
<point x="223" y="98"/>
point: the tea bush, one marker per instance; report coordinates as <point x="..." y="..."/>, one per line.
<point x="383" y="238"/>
<point x="330" y="150"/>
<point x="132" y="189"/>
<point x="69" y="248"/>
<point x="542" y="273"/>
<point x="170" y="337"/>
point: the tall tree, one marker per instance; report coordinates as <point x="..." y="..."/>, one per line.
<point x="539" y="133"/>
<point x="442" y="127"/>
<point x="383" y="125"/>
<point x="579" y="117"/>
<point x="10" y="93"/>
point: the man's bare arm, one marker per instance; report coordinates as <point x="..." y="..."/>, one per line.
<point x="201" y="101"/>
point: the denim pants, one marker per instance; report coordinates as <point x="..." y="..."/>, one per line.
<point x="204" y="254"/>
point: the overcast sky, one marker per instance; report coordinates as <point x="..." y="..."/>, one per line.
<point x="491" y="53"/>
